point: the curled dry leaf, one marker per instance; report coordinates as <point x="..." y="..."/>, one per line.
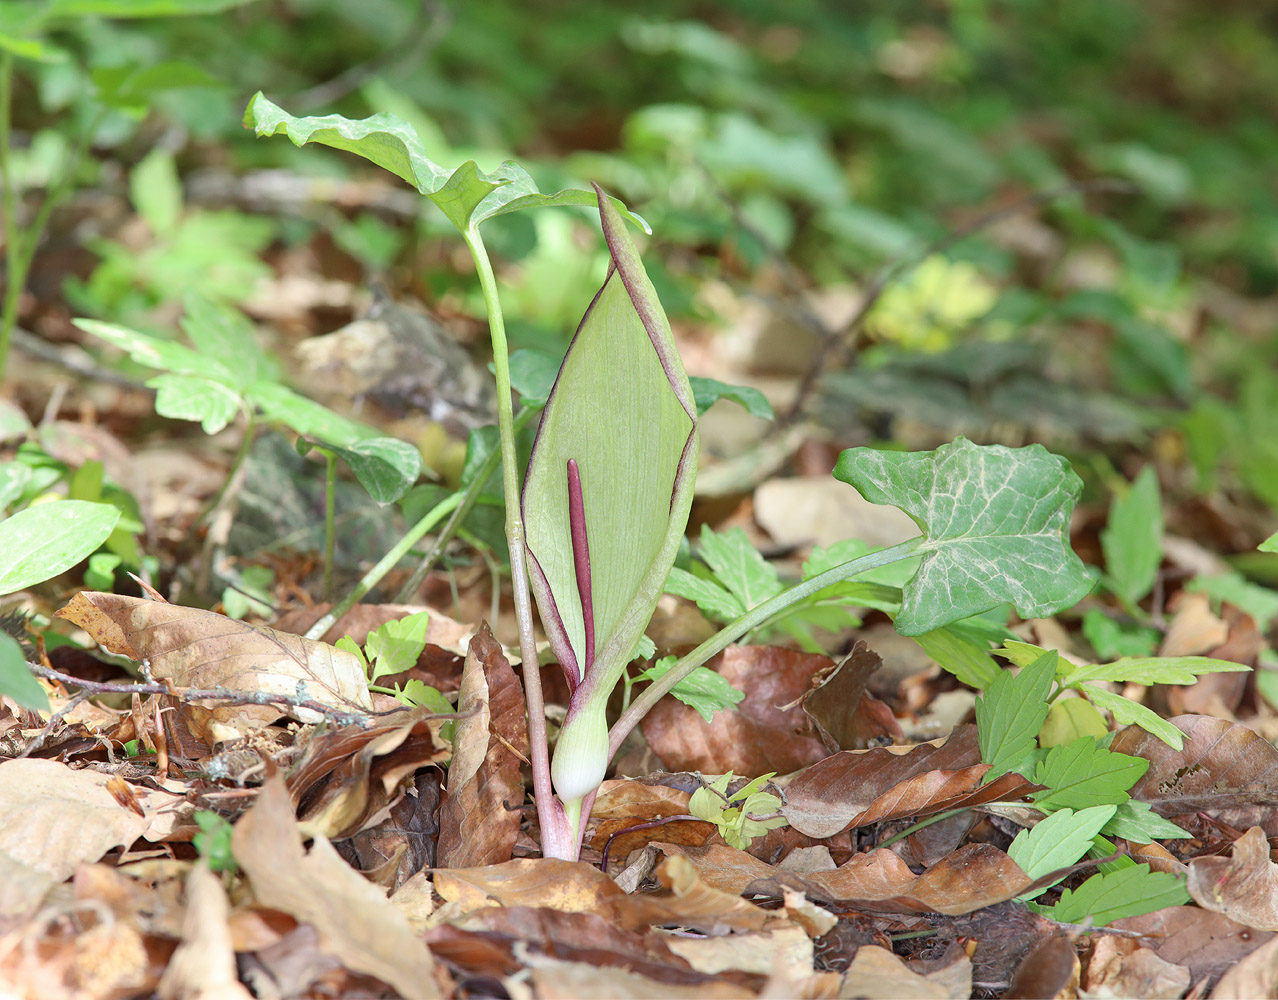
<point x="782" y="948"/>
<point x="878" y="974"/>
<point x="200" y="649"/>
<point x="1243" y="887"/>
<point x="348" y="776"/>
<point x="356" y="923"/>
<point x="1222" y="765"/>
<point x="479" y="821"/>
<point x="1120" y="967"/>
<point x="768" y="731"/>
<point x="1051" y="969"/>
<point x="858" y="787"/>
<point x="846" y="716"/>
<point x="203" y="967"/>
<point x="974" y="876"/>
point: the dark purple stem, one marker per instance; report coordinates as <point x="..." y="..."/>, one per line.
<point x="651" y="825"/>
<point x="581" y="561"/>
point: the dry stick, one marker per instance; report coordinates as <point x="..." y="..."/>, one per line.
<point x="890" y="271"/>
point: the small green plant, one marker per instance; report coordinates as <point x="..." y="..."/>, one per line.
<point x="1026" y="725"/>
<point x="213" y="842"/>
<point x="742" y="816"/>
<point x="393" y="648"/>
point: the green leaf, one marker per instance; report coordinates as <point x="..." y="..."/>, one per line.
<point x="386" y="467"/>
<point x="1109" y="897"/>
<point x="394" y="646"/>
<point x="49" y="538"/>
<point x="191" y="397"/>
<point x="1057" y="842"/>
<point x="14" y="477"/>
<point x="224" y="334"/>
<point x="1270" y="544"/>
<point x="1259" y="602"/>
<point x="156" y="353"/>
<point x="622" y="410"/>
<point x="213" y="842"/>
<point x="156" y="191"/>
<point x="1081" y="774"/>
<point x="1129" y="713"/>
<point x="961" y="655"/>
<point x="1011" y="712"/>
<point x="467" y="196"/>
<point x="305" y="416"/>
<point x="1133" y="538"/>
<point x="16" y="681"/>
<point x="419" y="694"/>
<point x="703" y="690"/>
<point x="1070" y="719"/>
<point x="1136" y="821"/>
<point x="739" y="567"/>
<point x="131" y="87"/>
<point x="533" y="373"/>
<point x="138" y="8"/>
<point x="1111" y="639"/>
<point x="995" y="522"/>
<point x="708" y="391"/>
<point x="348" y="645"/>
<point x="715" y="602"/>
<point x="1152" y="670"/>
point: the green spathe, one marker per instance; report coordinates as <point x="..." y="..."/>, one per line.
<point x="622" y="410"/>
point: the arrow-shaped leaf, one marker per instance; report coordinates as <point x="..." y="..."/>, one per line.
<point x="995" y="525"/>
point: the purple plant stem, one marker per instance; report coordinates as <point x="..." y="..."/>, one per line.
<point x="581" y="561"/>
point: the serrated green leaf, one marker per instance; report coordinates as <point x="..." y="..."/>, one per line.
<point x="16" y="681"/>
<point x="1111" y="639"/>
<point x="191" y="397"/>
<point x="225" y="335"/>
<point x="42" y="541"/>
<point x="708" y="391"/>
<point x="1152" y="670"/>
<point x="1057" y="842"/>
<point x="467" y="196"/>
<point x="702" y="690"/>
<point x="386" y="467"/>
<point x="1081" y="774"/>
<point x="153" y="352"/>
<point x="1109" y="897"/>
<point x="305" y="416"/>
<point x="995" y="525"/>
<point x="1011" y="712"/>
<point x="739" y="567"/>
<point x="714" y="601"/>
<point x="956" y="652"/>
<point x="1136" y="821"/>
<point x="1129" y="713"/>
<point x="1133" y="538"/>
<point x="394" y="646"/>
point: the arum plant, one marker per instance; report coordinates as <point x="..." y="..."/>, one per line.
<point x="609" y="486"/>
<point x="605" y="502"/>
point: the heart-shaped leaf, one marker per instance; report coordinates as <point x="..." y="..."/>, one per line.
<point x="995" y="525"/>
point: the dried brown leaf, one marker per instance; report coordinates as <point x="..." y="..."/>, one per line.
<point x="1255" y="976"/>
<point x="1222" y="765"/>
<point x="200" y="649"/>
<point x="846" y="716"/>
<point x="203" y="967"/>
<point x="877" y="974"/>
<point x="974" y="876"/>
<point x="1243" y="887"/>
<point x="573" y="980"/>
<point x="479" y="821"/>
<point x="859" y="787"/>
<point x="356" y="923"/>
<point x="768" y="731"/>
<point x="1204" y="942"/>
<point x="1050" y="970"/>
<point x="570" y="886"/>
<point x="1120" y="967"/>
<point x="762" y="953"/>
<point x="631" y="802"/>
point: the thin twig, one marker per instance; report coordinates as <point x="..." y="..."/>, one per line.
<point x="639" y="828"/>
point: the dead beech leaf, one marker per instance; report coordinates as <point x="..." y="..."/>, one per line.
<point x="356" y="923"/>
<point x="570" y="886"/>
<point x="1051" y="969"/>
<point x="698" y="904"/>
<point x="974" y="876"/>
<point x="553" y="980"/>
<point x="768" y="731"/>
<point x="1206" y="943"/>
<point x="1218" y="694"/>
<point x="1120" y="967"/>
<point x="878" y="974"/>
<point x="846" y="716"/>
<point x="196" y="648"/>
<point x="858" y="787"/>
<point x="1243" y="887"/>
<point x="1222" y="765"/>
<point x="1193" y="629"/>
<point x="1255" y="976"/>
<point x="55" y="818"/>
<point x="479" y="821"/>
<point x="788" y="948"/>
<point x="348" y="777"/>
<point x="203" y="967"/>
<point x="630" y="802"/>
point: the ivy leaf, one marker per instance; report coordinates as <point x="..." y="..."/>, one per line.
<point x="1133" y="538"/>
<point x="1081" y="774"/>
<point x="995" y="525"/>
<point x="1108" y="897"/>
<point x="466" y="195"/>
<point x="702" y="690"/>
<point x="1011" y="712"/>
<point x="708" y="391"/>
<point x="1057" y="841"/>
